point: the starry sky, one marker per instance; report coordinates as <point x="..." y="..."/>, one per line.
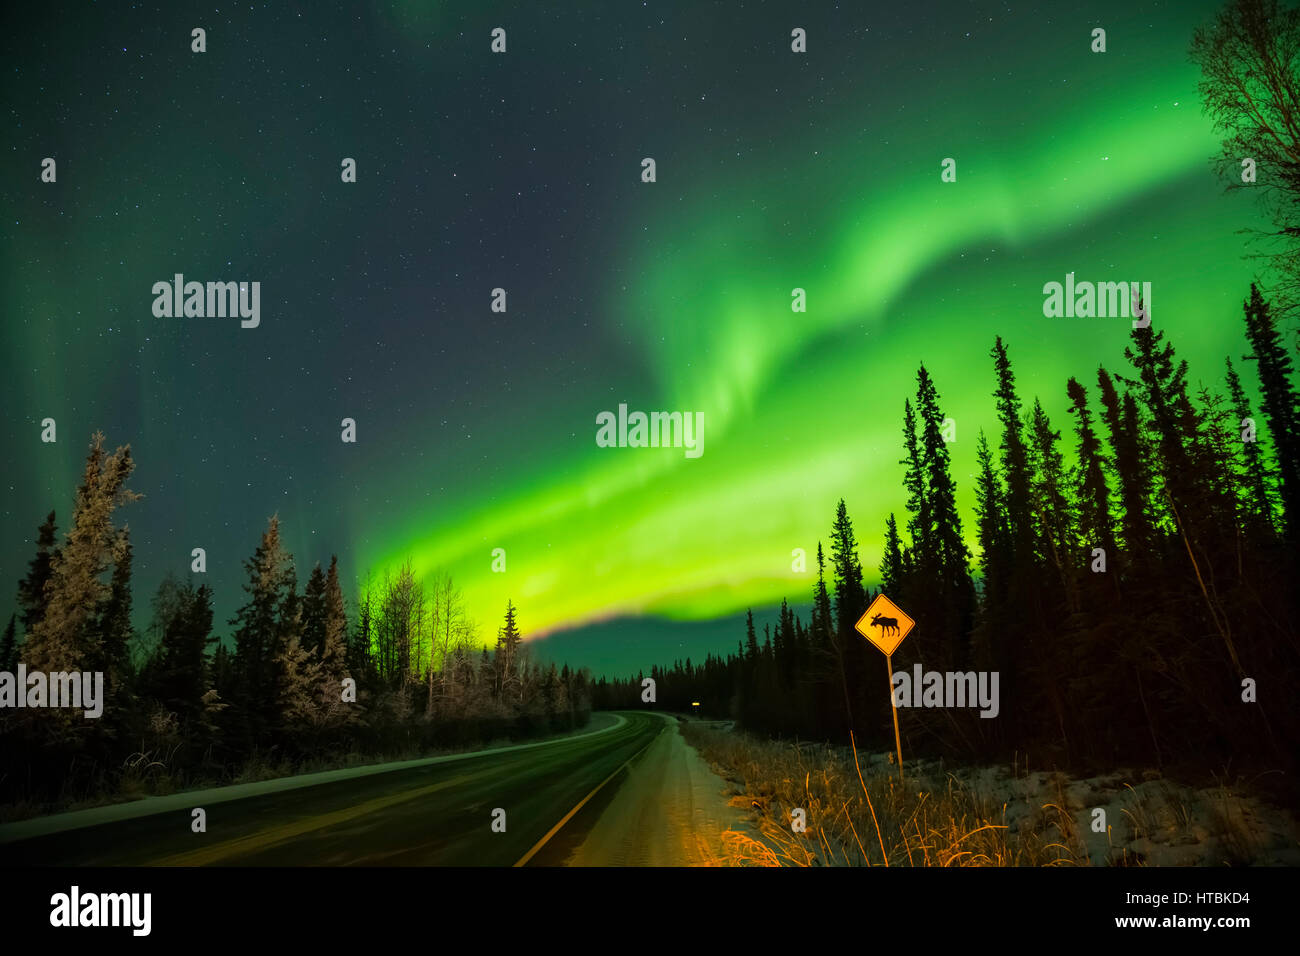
<point x="475" y="171"/>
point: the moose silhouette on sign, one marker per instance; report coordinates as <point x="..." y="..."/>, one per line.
<point x="886" y="624"/>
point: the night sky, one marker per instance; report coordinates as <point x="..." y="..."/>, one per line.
<point x="476" y="430"/>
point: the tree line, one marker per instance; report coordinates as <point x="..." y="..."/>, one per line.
<point x="299" y="680"/>
<point x="1134" y="582"/>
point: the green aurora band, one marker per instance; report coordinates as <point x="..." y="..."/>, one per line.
<point x="1111" y="181"/>
<point x="827" y="178"/>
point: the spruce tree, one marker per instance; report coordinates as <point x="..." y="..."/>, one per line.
<point x="1225" y="501"/>
<point x="822" y="621"/>
<point x="67" y="637"/>
<point x="751" y="639"/>
<point x="918" y="508"/>
<point x="1015" y="460"/>
<point x="785" y="647"/>
<point x="991" y="524"/>
<point x="223" y="672"/>
<point x="179" y="674"/>
<point x="1131" y="469"/>
<point x="1051" y="502"/>
<point x="891" y="561"/>
<point x="299" y="705"/>
<point x="261" y="628"/>
<point x="1163" y="380"/>
<point x="1280" y="403"/>
<point x="360" y="653"/>
<point x="116" y="630"/>
<point x="9" y="647"/>
<point x="333" y="652"/>
<point x="31" y="589"/>
<point x="1054" y="652"/>
<point x="994" y="612"/>
<point x="508" y="641"/>
<point x="948" y="561"/>
<point x="313" y="611"/>
<point x="1096" y="525"/>
<point x="1255" y="476"/>
<point x="850" y="648"/>
<point x="847" y="571"/>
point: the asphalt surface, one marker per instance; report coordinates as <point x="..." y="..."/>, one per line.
<point x="438" y="814"/>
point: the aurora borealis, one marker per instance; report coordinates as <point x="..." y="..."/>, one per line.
<point x="476" y="430"/>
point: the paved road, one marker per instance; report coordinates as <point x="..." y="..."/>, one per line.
<point x="439" y="813"/>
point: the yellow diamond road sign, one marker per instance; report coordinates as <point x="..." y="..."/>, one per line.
<point x="885" y="625"/>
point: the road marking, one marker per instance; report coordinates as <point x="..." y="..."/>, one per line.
<point x="264" y="839"/>
<point x="133" y="810"/>
<point x="569" y="816"/>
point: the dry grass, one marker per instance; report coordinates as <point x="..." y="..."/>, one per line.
<point x="1236" y="841"/>
<point x="863" y="816"/>
<point x="859" y="814"/>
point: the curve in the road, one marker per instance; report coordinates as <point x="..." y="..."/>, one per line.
<point x="119" y="812"/>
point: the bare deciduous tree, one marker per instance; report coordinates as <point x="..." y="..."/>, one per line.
<point x="1250" y="85"/>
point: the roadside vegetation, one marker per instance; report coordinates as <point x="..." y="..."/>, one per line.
<point x="858" y="813"/>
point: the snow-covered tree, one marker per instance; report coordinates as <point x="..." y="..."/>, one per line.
<point x="68" y="637"/>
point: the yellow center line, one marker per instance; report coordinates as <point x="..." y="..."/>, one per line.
<point x="268" y="838"/>
<point x="569" y="816"/>
<point x="264" y="839"/>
